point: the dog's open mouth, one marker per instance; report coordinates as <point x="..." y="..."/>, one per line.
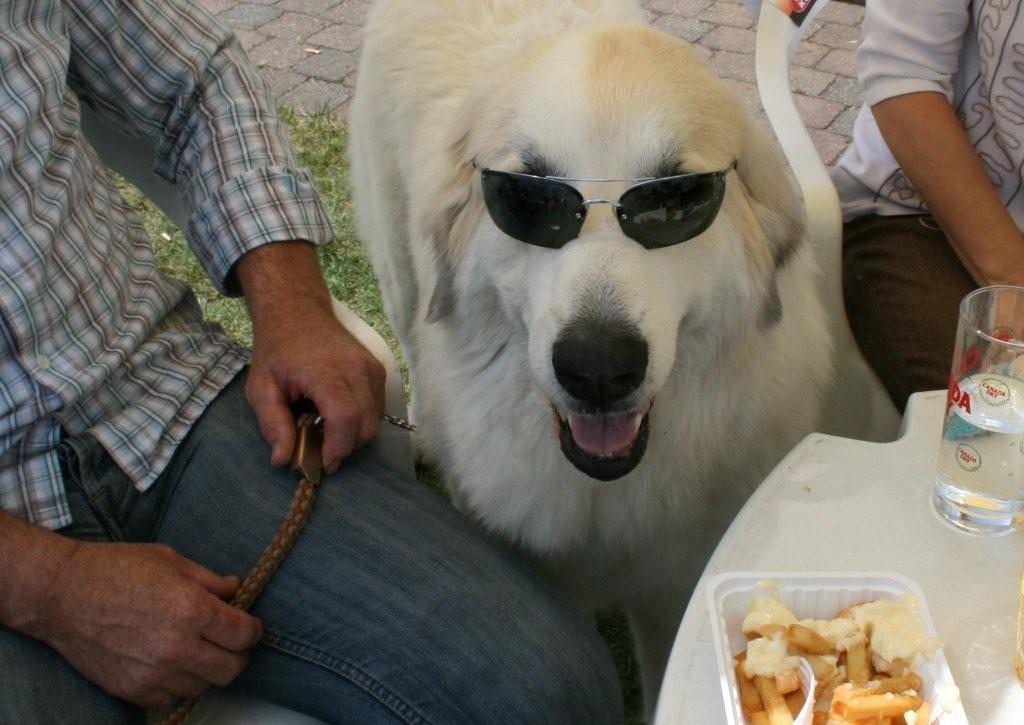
<point x="606" y="446"/>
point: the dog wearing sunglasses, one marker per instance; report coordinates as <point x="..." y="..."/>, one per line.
<point x="594" y="261"/>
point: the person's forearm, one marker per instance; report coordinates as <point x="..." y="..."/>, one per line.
<point x="924" y="134"/>
<point x="280" y="277"/>
<point x="31" y="559"/>
<point x="301" y="350"/>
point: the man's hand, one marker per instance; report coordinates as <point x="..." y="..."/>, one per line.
<point x="307" y="353"/>
<point x="145" y="623"/>
<point x="301" y="350"/>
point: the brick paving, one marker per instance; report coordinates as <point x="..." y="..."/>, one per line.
<point x="308" y="51"/>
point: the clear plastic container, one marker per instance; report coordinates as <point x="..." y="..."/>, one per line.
<point x="818" y="596"/>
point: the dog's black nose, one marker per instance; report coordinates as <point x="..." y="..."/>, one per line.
<point x="599" y="363"/>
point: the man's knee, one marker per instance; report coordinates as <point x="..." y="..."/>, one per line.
<point x="563" y="674"/>
<point x="530" y="657"/>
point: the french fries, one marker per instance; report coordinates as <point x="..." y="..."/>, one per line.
<point x="910" y="681"/>
<point x="750" y="700"/>
<point x="807" y="640"/>
<point x="858" y="667"/>
<point x="774" y="704"/>
<point x="795" y="702"/>
<point x="823" y="668"/>
<point x="769" y="630"/>
<point x="851" y="703"/>
<point x="827" y="687"/>
<point x="848" y="691"/>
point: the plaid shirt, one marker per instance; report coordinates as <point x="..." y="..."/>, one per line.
<point x="93" y="337"/>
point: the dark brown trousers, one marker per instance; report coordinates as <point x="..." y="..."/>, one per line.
<point x="902" y="283"/>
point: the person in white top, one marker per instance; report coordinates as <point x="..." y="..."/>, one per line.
<point x="931" y="187"/>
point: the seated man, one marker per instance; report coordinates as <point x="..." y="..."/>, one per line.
<point x="135" y="483"/>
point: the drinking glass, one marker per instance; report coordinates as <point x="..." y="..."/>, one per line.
<point x="979" y="487"/>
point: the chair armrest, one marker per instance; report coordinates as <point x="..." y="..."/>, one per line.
<point x="777" y="38"/>
<point x="133" y="159"/>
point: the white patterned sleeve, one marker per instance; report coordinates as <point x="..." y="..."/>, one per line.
<point x="910" y="46"/>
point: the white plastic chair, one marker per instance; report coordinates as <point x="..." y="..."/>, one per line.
<point x="856" y="404"/>
<point x="133" y="159"/>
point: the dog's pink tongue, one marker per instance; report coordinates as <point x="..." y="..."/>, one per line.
<point x="605" y="435"/>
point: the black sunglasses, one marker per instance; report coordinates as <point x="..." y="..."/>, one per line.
<point x="547" y="212"/>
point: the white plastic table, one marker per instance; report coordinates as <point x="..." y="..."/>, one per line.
<point x="835" y="504"/>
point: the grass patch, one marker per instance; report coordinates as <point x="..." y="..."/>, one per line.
<point x="320" y="144"/>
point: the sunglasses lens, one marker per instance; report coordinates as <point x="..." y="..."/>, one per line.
<point x="664" y="212"/>
<point x="533" y="210"/>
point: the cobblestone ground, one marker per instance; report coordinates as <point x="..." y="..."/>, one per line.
<point x="309" y="49"/>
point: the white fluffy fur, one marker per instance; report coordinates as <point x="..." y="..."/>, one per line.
<point x="443" y="82"/>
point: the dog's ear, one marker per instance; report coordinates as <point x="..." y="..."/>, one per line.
<point x="778" y="214"/>
<point x="452" y="221"/>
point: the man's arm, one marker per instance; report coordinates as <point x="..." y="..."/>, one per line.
<point x="302" y="351"/>
<point x="924" y="134"/>
<point x="165" y="68"/>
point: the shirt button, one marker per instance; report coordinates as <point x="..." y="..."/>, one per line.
<point x="43" y="362"/>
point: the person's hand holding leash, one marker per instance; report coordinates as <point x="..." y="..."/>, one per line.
<point x="301" y="350"/>
<point x="141" y="621"/>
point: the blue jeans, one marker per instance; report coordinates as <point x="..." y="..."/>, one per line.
<point x="391" y="607"/>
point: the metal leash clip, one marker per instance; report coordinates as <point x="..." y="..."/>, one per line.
<point x="307" y="459"/>
<point x="400" y="422"/>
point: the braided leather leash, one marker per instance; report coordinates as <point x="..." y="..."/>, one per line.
<point x="307" y="465"/>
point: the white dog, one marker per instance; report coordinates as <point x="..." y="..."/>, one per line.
<point x="601" y="385"/>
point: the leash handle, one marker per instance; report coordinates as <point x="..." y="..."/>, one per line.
<point x="307" y="458"/>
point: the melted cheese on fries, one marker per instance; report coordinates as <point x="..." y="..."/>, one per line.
<point x="895" y="630"/>
<point x="861" y="662"/>
<point x="766" y="609"/>
<point x="842" y="632"/>
<point x="768" y="657"/>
